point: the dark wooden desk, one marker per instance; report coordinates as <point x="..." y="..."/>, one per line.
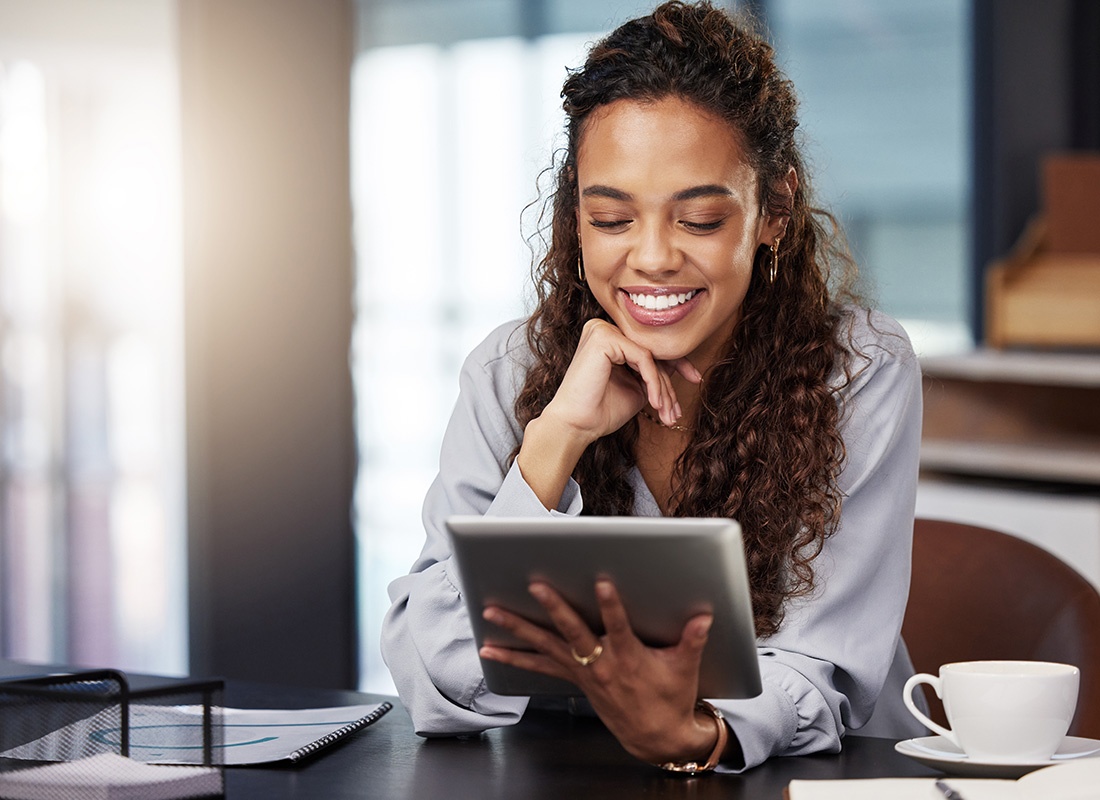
<point x="548" y="755"/>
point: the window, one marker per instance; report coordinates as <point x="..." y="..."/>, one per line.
<point x="91" y="438"/>
<point x="885" y="91"/>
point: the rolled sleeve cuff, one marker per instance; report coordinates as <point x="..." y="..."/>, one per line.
<point x="517" y="499"/>
<point x="789" y="717"/>
<point x="432" y="628"/>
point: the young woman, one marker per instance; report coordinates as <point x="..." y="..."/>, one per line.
<point x="688" y="356"/>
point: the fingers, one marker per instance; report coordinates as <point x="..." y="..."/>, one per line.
<point x="566" y="644"/>
<point x="659" y="390"/>
<point x="548" y="657"/>
<point x="697" y="630"/>
<point x="688" y="652"/>
<point x="534" y="662"/>
<point x="654" y="375"/>
<point x="577" y="635"/>
<point x="623" y="352"/>
<point x="634" y="688"/>
<point x="539" y="638"/>
<point x="686" y="370"/>
<point x="554" y="655"/>
<point x="619" y="632"/>
<point x="572" y="634"/>
<point x="693" y="640"/>
<point x="601" y="389"/>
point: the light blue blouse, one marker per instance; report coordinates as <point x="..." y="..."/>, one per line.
<point x="838" y="650"/>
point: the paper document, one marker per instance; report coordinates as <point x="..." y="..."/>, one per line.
<point x="1076" y="780"/>
<point x="110" y="777"/>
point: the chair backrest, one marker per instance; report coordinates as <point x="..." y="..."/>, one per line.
<point x="980" y="594"/>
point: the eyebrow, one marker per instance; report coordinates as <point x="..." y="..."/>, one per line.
<point x="705" y="190"/>
<point x="599" y="190"/>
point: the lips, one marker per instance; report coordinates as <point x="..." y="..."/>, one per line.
<point x="657" y="306"/>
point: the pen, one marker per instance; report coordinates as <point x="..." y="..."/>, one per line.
<point x="948" y="792"/>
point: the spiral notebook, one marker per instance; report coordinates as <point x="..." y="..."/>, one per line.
<point x="294" y="735"/>
<point x="170" y="734"/>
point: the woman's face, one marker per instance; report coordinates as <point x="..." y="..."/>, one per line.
<point x="669" y="221"/>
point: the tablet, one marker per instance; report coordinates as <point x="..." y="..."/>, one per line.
<point x="666" y="569"/>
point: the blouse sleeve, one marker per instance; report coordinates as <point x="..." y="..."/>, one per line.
<point x="427" y="641"/>
<point x="823" y="671"/>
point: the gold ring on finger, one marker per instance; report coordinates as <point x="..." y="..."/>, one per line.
<point x="584" y="661"/>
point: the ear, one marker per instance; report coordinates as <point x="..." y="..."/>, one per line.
<point x="775" y="225"/>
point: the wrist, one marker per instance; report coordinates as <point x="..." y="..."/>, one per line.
<point x="547" y="457"/>
<point x="554" y="442"/>
<point x="555" y="426"/>
<point x="704" y="755"/>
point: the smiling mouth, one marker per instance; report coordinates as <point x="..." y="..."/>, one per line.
<point x="659" y="302"/>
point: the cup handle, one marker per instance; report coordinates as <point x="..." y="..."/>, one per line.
<point x="907" y="696"/>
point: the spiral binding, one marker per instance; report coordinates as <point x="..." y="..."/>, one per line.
<point x="339" y="733"/>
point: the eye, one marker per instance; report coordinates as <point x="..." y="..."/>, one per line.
<point x="702" y="227"/>
<point x="609" y="224"/>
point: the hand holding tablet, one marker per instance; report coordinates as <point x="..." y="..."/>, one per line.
<point x="665" y="571"/>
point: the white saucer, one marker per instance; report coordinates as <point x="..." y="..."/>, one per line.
<point x="939" y="753"/>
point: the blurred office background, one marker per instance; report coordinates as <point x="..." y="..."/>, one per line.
<point x="246" y="244"/>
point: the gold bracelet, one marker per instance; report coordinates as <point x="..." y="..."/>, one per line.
<point x="694" y="767"/>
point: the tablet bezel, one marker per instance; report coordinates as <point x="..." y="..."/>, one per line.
<point x="667" y="569"/>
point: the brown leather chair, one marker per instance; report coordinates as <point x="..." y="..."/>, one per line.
<point x="980" y="594"/>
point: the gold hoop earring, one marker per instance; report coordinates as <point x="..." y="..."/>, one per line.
<point x="580" y="266"/>
<point x="775" y="260"/>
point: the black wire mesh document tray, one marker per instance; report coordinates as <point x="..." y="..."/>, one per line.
<point x="63" y="718"/>
<point x="666" y="570"/>
<point x="90" y="724"/>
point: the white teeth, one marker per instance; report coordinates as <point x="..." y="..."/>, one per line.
<point x="659" y="302"/>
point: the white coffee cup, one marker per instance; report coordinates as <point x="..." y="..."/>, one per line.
<point x="1002" y="711"/>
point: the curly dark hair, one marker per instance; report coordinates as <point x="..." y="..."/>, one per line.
<point x="765" y="447"/>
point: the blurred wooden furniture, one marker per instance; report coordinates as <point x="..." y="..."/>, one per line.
<point x="1039" y="298"/>
<point x="1016" y="415"/>
<point x="1046" y="292"/>
<point x="980" y="594"/>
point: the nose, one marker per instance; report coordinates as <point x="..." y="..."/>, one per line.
<point x="653" y="251"/>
